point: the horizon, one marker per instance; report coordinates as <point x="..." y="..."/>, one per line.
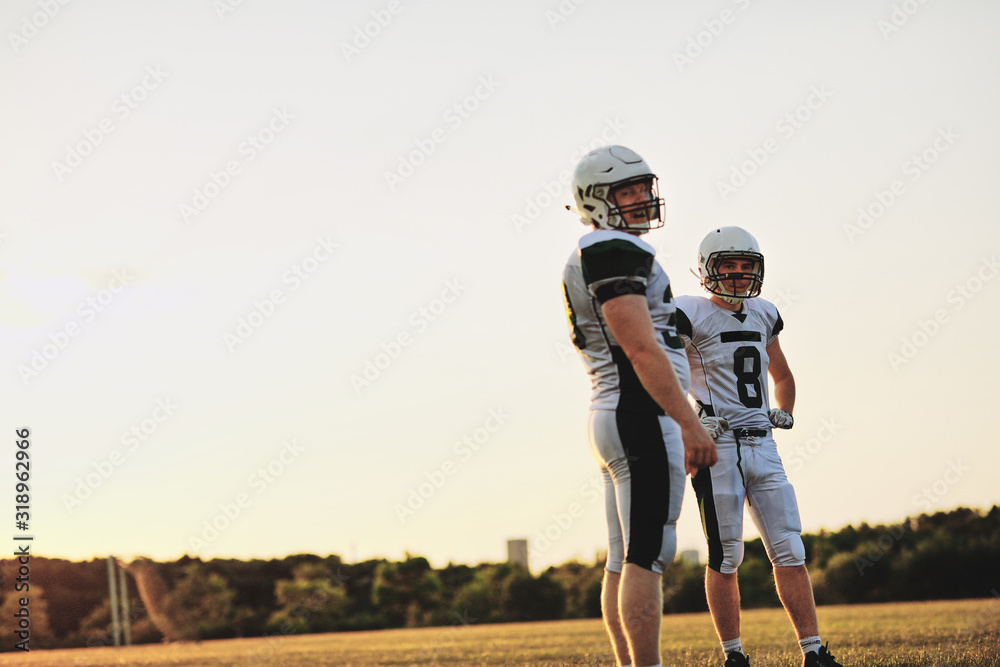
<point x="598" y="557"/>
<point x="297" y="267"/>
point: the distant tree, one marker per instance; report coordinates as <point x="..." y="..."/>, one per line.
<point x="95" y="629"/>
<point x="253" y="582"/>
<point x="582" y="586"/>
<point x="164" y="611"/>
<point x="480" y="598"/>
<point x="207" y="599"/>
<point x="408" y="592"/>
<point x="358" y="580"/>
<point x="756" y="581"/>
<point x="526" y="598"/>
<point x="312" y="601"/>
<point x="684" y="588"/>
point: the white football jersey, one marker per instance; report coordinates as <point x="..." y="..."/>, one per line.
<point x="608" y="264"/>
<point x="728" y="355"/>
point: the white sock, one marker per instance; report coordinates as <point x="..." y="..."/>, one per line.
<point x="732" y="645"/>
<point x="810" y="644"/>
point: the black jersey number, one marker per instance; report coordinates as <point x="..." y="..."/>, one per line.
<point x="748" y="377"/>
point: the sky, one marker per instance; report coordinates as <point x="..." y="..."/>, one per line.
<point x="283" y="278"/>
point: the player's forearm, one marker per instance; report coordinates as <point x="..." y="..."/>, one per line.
<point x="784" y="394"/>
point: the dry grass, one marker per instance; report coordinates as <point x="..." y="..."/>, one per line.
<point x="964" y="633"/>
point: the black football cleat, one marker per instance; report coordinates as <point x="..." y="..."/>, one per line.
<point x="736" y="659"/>
<point x="822" y="659"/>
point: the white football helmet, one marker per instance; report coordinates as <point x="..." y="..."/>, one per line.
<point x="601" y="175"/>
<point x="730" y="243"/>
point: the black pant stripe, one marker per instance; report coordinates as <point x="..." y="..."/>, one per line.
<point x="702" y="483"/>
<point x="642" y="440"/>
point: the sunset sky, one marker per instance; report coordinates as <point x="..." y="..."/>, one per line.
<point x="285" y="277"/>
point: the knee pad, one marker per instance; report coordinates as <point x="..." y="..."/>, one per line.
<point x="789" y="552"/>
<point x="732" y="556"/>
<point x="668" y="549"/>
<point x="616" y="555"/>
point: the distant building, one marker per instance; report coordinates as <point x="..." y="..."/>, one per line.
<point x="690" y="556"/>
<point x="517" y="552"/>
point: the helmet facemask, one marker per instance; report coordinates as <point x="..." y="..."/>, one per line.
<point x="723" y="285"/>
<point x="614" y="188"/>
<point x="637" y="216"/>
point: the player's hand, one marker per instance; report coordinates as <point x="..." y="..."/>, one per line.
<point x="699" y="448"/>
<point x="715" y="426"/>
<point x="780" y="418"/>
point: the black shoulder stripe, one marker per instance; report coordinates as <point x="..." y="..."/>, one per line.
<point x="608" y="291"/>
<point x="684" y="324"/>
<point x="778" y="326"/>
<point x="616" y="258"/>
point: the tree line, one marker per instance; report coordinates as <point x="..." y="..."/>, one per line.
<point x="947" y="555"/>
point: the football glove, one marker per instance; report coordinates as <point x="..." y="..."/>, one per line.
<point x="780" y="418"/>
<point x="715" y="425"/>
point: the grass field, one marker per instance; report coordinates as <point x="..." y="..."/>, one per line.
<point x="964" y="633"/>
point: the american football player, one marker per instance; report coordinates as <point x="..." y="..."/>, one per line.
<point x="731" y="338"/>
<point x="642" y="430"/>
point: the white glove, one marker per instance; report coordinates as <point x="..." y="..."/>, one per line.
<point x="715" y="425"/>
<point x="780" y="418"/>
